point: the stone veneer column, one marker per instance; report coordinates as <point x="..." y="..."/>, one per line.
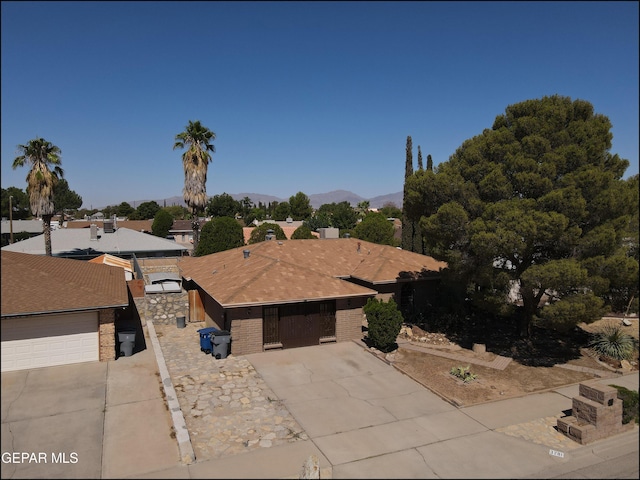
<point x="107" y="335"/>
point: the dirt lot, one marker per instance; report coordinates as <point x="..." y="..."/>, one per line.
<point x="534" y="366"/>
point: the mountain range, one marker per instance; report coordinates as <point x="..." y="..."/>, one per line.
<point x="316" y="200"/>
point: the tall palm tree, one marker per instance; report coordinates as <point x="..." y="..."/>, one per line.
<point x="196" y="139"/>
<point x="44" y="158"/>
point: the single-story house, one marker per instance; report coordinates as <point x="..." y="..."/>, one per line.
<point x="182" y="231"/>
<point x="144" y="226"/>
<point x="291" y="293"/>
<point x="20" y="228"/>
<point x="58" y="311"/>
<point x="85" y="244"/>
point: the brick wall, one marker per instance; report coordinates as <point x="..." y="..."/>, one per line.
<point x="246" y="332"/>
<point x="349" y="318"/>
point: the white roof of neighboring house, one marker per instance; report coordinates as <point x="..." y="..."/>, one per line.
<point x="29" y="226"/>
<point x="78" y="242"/>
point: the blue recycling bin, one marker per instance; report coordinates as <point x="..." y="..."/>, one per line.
<point x="205" y="339"/>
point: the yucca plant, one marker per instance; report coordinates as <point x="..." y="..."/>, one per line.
<point x="612" y="342"/>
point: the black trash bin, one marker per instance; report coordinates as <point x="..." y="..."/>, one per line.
<point x="205" y="339"/>
<point x="127" y="340"/>
<point x="220" y="340"/>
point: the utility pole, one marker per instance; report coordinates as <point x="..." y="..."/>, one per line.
<point x="10" y="219"/>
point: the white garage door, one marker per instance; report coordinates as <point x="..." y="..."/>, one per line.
<point x="49" y="340"/>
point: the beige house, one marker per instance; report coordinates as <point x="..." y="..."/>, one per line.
<point x="292" y="293"/>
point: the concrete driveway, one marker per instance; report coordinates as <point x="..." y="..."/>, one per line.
<point x="89" y="420"/>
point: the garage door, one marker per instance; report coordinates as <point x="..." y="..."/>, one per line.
<point x="49" y="340"/>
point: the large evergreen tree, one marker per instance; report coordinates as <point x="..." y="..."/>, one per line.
<point x="536" y="204"/>
<point x="221" y="233"/>
<point x="65" y="199"/>
<point x="411" y="234"/>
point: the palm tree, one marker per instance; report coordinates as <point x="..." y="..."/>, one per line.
<point x="41" y="180"/>
<point x="195" y="160"/>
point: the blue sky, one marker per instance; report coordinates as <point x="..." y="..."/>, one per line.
<point x="302" y="96"/>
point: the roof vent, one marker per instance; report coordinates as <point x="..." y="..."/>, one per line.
<point x="270" y="235"/>
<point x="246" y="253"/>
<point x="93" y="232"/>
<point x="108" y="226"/>
<point x="346" y="235"/>
<point x="289" y="220"/>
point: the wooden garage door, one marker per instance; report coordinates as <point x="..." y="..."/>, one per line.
<point x="49" y="340"/>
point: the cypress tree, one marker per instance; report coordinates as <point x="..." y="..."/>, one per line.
<point x="429" y="163"/>
<point x="407" y="226"/>
<point x="419" y="158"/>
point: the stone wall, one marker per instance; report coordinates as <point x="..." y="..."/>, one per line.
<point x="107" y="335"/>
<point x="163" y="308"/>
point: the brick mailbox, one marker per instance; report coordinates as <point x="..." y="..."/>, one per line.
<point x="596" y="414"/>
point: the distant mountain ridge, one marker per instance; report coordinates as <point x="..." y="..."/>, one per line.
<point x="316" y="199"/>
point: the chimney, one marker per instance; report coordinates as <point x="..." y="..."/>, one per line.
<point x="93" y="232"/>
<point x="246" y="253"/>
<point x="108" y="226"/>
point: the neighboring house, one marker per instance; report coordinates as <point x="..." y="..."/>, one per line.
<point x="137" y="225"/>
<point x="107" y="259"/>
<point x="31" y="227"/>
<point x="85" y="244"/>
<point x="182" y="232"/>
<point x="58" y="311"/>
<point x="287" y="230"/>
<point x="292" y="293"/>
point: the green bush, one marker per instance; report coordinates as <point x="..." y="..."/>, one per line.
<point x="302" y="233"/>
<point x="385" y="322"/>
<point x="629" y="404"/>
<point x="218" y="235"/>
<point x="463" y="374"/>
<point x="612" y="342"/>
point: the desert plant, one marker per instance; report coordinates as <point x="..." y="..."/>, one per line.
<point x="463" y="373"/>
<point x="612" y="342"/>
<point x="629" y="404"/>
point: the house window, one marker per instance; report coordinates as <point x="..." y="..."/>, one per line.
<point x="270" y="325"/>
<point x="328" y="319"/>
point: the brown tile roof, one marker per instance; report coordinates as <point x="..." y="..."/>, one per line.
<point x="297" y="270"/>
<point x="34" y="284"/>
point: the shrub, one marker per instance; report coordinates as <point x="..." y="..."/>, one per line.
<point x="302" y="233"/>
<point x="629" y="404"/>
<point x="612" y="342"/>
<point x="463" y="374"/>
<point x="385" y="322"/>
